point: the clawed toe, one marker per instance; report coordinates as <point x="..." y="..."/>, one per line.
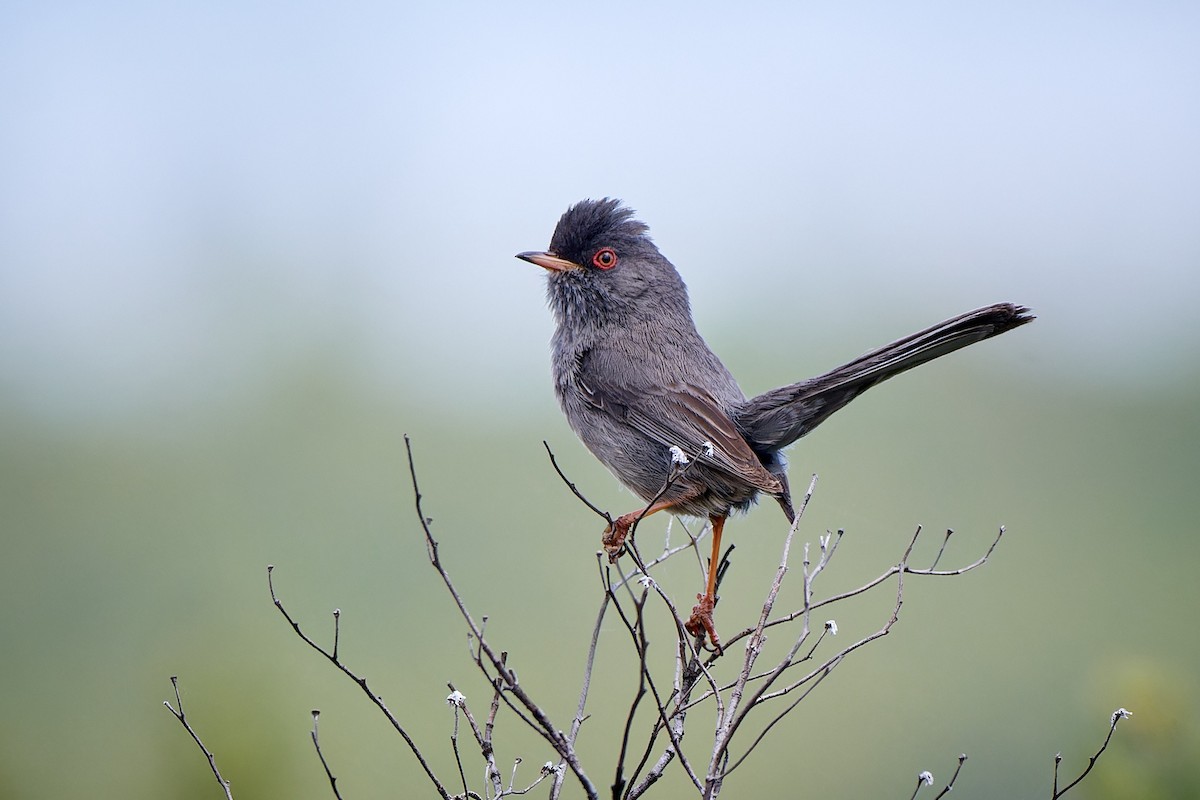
<point x="613" y="544"/>
<point x="701" y="621"/>
<point x="614" y="536"/>
<point x="613" y="541"/>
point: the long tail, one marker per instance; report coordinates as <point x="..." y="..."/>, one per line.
<point x="779" y="417"/>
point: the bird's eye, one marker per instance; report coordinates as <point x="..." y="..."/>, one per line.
<point x="605" y="258"/>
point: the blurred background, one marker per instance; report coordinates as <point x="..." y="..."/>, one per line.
<point x="245" y="247"/>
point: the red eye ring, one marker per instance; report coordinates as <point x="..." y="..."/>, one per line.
<point x="605" y="258"/>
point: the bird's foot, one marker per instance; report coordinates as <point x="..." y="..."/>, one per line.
<point x="614" y="535"/>
<point x="701" y="621"/>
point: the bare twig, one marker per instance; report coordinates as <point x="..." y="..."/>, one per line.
<point x="362" y="684"/>
<point x="533" y="715"/>
<point x="635" y="624"/>
<point x="732" y="718"/>
<point x="317" y="744"/>
<point x="949" y="787"/>
<point x="942" y="549"/>
<point x="1117" y="716"/>
<point x="961" y="570"/>
<point x="457" y="702"/>
<point x="577" y="721"/>
<point x="674" y="475"/>
<point x="669" y="552"/>
<point x="574" y="490"/>
<point x="871" y="584"/>
<point x="923" y="779"/>
<point x="177" y="712"/>
<point x="789" y="681"/>
<point x="483" y="737"/>
<point x="733" y="703"/>
<point x="635" y="627"/>
<point x="337" y="630"/>
<point x="689" y="670"/>
<point x="817" y="675"/>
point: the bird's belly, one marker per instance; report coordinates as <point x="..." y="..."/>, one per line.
<point x="637" y="461"/>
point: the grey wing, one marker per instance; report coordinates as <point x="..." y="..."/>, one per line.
<point x="686" y="417"/>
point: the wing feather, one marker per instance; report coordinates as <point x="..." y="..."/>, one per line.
<point x="686" y="417"/>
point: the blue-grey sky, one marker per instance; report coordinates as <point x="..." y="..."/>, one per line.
<point x="189" y="190"/>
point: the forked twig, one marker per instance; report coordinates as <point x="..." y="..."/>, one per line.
<point x="693" y="682"/>
<point x="177" y="712"/>
<point x="362" y="684"/>
<point x="483" y="737"/>
<point x="949" y="787"/>
<point x="530" y="712"/>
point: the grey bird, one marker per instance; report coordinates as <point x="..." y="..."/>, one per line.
<point x="635" y="380"/>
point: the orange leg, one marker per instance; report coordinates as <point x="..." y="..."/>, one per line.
<point x="701" y="621"/>
<point x="614" y="534"/>
<point x="718" y="526"/>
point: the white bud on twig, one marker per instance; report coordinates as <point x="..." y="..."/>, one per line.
<point x="708" y="449"/>
<point x="831" y="626"/>
<point x="926" y="778"/>
<point x="456" y="698"/>
<point x="678" y="456"/>
<point x="646" y="581"/>
<point x="1120" y="713"/>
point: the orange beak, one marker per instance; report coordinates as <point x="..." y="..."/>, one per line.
<point x="548" y="261"/>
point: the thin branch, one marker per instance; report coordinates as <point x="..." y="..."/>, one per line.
<point x="456" y="702"/>
<point x="732" y="703"/>
<point x="317" y="744"/>
<point x="923" y="779"/>
<point x="667" y="553"/>
<point x="1117" y="716"/>
<point x="979" y="562"/>
<point x="871" y="584"/>
<point x="631" y="626"/>
<point x="544" y="726"/>
<point x="489" y="749"/>
<point x="942" y="549"/>
<point x="337" y="630"/>
<point x="949" y="787"/>
<point x="362" y="684"/>
<point x="589" y="665"/>
<point x="482" y="737"/>
<point x="641" y="646"/>
<point x="179" y="715"/>
<point x="687" y="679"/>
<point x="732" y="719"/>
<point x="570" y="485"/>
<point x="546" y="771"/>
<point x="676" y="472"/>
<point x="819" y="674"/>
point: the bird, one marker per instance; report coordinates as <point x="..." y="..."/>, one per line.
<point x="644" y="392"/>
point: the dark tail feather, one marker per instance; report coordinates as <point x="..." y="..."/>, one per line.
<point x="781" y="416"/>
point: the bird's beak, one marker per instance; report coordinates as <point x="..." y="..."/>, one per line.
<point x="547" y="261"/>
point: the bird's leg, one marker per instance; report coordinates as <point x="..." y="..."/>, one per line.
<point x="701" y="621"/>
<point x="615" y="533"/>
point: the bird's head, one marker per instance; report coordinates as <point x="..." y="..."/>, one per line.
<point x="602" y="267"/>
